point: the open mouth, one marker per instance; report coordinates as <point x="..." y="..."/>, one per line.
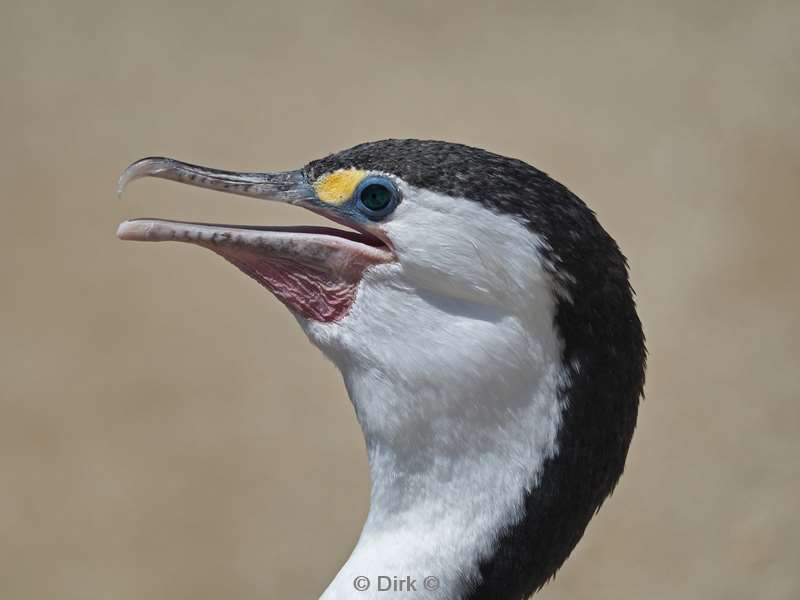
<point x="314" y="271"/>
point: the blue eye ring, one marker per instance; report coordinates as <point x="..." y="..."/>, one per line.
<point x="376" y="197"/>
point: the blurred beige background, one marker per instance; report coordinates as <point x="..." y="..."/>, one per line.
<point x="166" y="432"/>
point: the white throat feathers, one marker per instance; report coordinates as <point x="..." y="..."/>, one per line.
<point x="457" y="394"/>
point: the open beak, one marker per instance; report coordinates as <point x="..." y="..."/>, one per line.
<point x="315" y="271"/>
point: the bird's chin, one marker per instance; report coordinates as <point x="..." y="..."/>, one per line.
<point x="314" y="271"/>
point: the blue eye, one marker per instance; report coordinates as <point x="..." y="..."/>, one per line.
<point x="376" y="197"/>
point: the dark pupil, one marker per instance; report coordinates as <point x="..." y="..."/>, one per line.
<point x="376" y="197"/>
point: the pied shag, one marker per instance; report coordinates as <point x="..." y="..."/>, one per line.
<point x="487" y="334"/>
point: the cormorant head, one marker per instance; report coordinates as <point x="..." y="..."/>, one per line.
<point x="441" y="240"/>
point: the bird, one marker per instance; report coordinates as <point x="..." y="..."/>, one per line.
<point x="487" y="335"/>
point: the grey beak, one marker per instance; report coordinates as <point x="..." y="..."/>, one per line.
<point x="283" y="186"/>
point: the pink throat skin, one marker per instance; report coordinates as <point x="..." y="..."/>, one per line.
<point x="313" y="292"/>
<point x="314" y="271"/>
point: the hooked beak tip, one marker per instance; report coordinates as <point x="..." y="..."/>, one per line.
<point x="146" y="167"/>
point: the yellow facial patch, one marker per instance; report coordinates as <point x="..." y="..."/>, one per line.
<point x="338" y="187"/>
